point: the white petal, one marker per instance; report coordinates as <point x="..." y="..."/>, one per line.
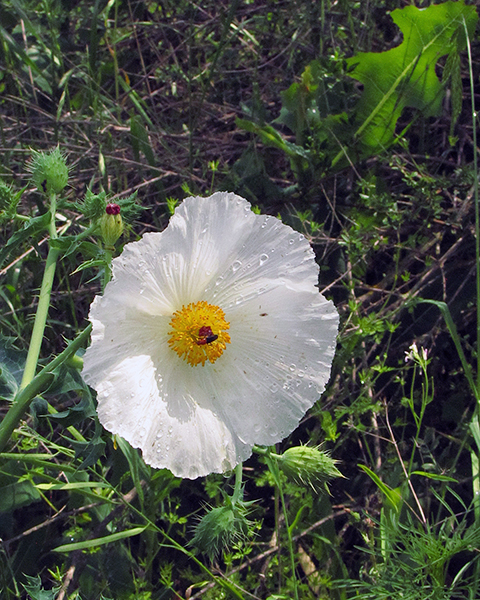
<point x="197" y="420"/>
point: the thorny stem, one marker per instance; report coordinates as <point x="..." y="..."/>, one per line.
<point x="36" y="385"/>
<point x="237" y="491"/>
<point x="43" y="302"/>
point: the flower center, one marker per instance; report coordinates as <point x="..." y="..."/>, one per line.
<point x="199" y="333"/>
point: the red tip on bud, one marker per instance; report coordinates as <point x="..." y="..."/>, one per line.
<point x="112" y="209"/>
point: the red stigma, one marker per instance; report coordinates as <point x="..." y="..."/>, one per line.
<point x="206" y="336"/>
<point x="112" y="209"/>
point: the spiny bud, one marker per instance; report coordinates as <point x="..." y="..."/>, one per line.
<point x="111" y="224"/>
<point x="221" y="527"/>
<point x="8" y="202"/>
<point x="94" y="205"/>
<point x="308" y="464"/>
<point x="49" y="171"/>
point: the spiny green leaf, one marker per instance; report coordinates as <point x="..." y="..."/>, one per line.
<point x="35" y="590"/>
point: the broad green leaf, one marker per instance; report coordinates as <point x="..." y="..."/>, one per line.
<point x="35" y="590"/>
<point x="90" y="451"/>
<point x="12" y="362"/>
<point x="405" y="76"/>
<point x="114" y="537"/>
<point x="18" y="494"/>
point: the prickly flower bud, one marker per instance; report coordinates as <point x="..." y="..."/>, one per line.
<point x="49" y="171"/>
<point x="8" y="202"/>
<point x="308" y="464"/>
<point x="111" y="224"/>
<point x="221" y="527"/>
<point x="94" y="205"/>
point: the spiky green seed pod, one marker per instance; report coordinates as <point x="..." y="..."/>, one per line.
<point x="94" y="205"/>
<point x="221" y="527"/>
<point x="8" y="202"/>
<point x="49" y="171"/>
<point x="308" y="464"/>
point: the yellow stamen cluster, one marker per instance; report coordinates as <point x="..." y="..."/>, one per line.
<point x="199" y="333"/>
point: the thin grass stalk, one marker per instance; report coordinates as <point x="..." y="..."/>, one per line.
<point x="474" y="424"/>
<point x="475" y="189"/>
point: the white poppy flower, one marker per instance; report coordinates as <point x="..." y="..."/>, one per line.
<point x="211" y="337"/>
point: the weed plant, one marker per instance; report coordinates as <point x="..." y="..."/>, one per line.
<point x="355" y="130"/>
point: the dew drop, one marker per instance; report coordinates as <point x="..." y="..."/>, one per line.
<point x="236" y="265"/>
<point x="263" y="258"/>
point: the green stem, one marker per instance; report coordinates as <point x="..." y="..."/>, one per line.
<point x="107" y="274"/>
<point x="43" y="303"/>
<point x="35" y="386"/>
<point x="275" y="471"/>
<point x="237" y="491"/>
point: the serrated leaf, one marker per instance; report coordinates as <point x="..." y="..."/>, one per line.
<point x="17" y="495"/>
<point x="90" y="451"/>
<point x="11" y="369"/>
<point x="29" y="230"/>
<point x="34" y="588"/>
<point x="405" y="76"/>
<point x="74" y="414"/>
<point x="70" y="244"/>
<point x="90" y="264"/>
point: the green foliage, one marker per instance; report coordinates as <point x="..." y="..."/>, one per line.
<point x="405" y="76"/>
<point x="367" y="147"/>
<point x="330" y="132"/>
